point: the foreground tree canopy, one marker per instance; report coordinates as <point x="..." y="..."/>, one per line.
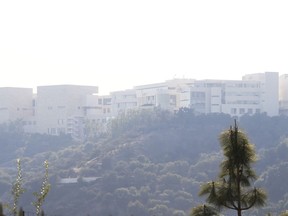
<point x="233" y="190"/>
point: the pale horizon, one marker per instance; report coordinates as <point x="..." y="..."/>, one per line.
<point x="117" y="45"/>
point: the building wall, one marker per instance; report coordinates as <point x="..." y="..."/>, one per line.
<point x="147" y="95"/>
<point x="167" y="95"/>
<point x="98" y="112"/>
<point x="15" y="103"/>
<point x="283" y="94"/>
<point x="67" y="108"/>
<point x="254" y="94"/>
<point x="105" y="103"/>
<point x="270" y="91"/>
<point x="122" y="101"/>
<point x="242" y="97"/>
<point x="62" y="108"/>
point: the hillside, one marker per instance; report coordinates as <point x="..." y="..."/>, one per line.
<point x="151" y="163"/>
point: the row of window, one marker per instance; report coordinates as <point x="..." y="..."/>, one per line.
<point x="243" y="102"/>
<point x="126" y="104"/>
<point x="241" y="111"/>
<point x="243" y="85"/>
<point x="18" y="109"/>
<point x="105" y="101"/>
<point x="29" y="122"/>
<point x="55" y="131"/>
<point x="106" y="110"/>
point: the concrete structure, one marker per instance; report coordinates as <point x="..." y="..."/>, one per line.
<point x="242" y="97"/>
<point x="73" y="109"/>
<point x="283" y="94"/>
<point x="15" y="103"/>
<point x="255" y="93"/>
<point x="105" y="104"/>
<point x="166" y="95"/>
<point x="97" y="108"/>
<point x="224" y="96"/>
<point x="63" y="108"/>
<point x="269" y="85"/>
<point x="122" y="101"/>
<point x="97" y="113"/>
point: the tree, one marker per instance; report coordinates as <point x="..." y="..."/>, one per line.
<point x="204" y="210"/>
<point x="285" y="213"/>
<point x="21" y="212"/>
<point x="40" y="197"/>
<point x="17" y="189"/>
<point x="233" y="189"/>
<point x="1" y="210"/>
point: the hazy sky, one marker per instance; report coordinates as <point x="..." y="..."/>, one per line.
<point x="119" y="44"/>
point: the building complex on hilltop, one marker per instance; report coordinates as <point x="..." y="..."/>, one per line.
<point x="68" y="109"/>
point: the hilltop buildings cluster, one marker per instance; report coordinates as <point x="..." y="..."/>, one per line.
<point x="66" y="109"/>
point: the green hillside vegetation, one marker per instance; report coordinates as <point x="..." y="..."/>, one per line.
<point x="148" y="163"/>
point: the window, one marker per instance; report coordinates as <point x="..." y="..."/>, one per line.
<point x="60" y="121"/>
<point x="242" y="111"/>
<point x="60" y="130"/>
<point x="198" y="94"/>
<point x="233" y="111"/>
<point x="53" y="131"/>
<point x="107" y="101"/>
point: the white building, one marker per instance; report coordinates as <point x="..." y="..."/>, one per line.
<point x="255" y="93"/>
<point x="269" y="82"/>
<point x="242" y="97"/>
<point x="68" y="108"/>
<point x="166" y="95"/>
<point x="15" y="103"/>
<point x="105" y="103"/>
<point x="283" y="94"/>
<point x="224" y="96"/>
<point x="97" y="113"/>
<point x="64" y="108"/>
<point x="122" y="101"/>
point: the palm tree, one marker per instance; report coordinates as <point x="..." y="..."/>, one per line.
<point x="233" y="189"/>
